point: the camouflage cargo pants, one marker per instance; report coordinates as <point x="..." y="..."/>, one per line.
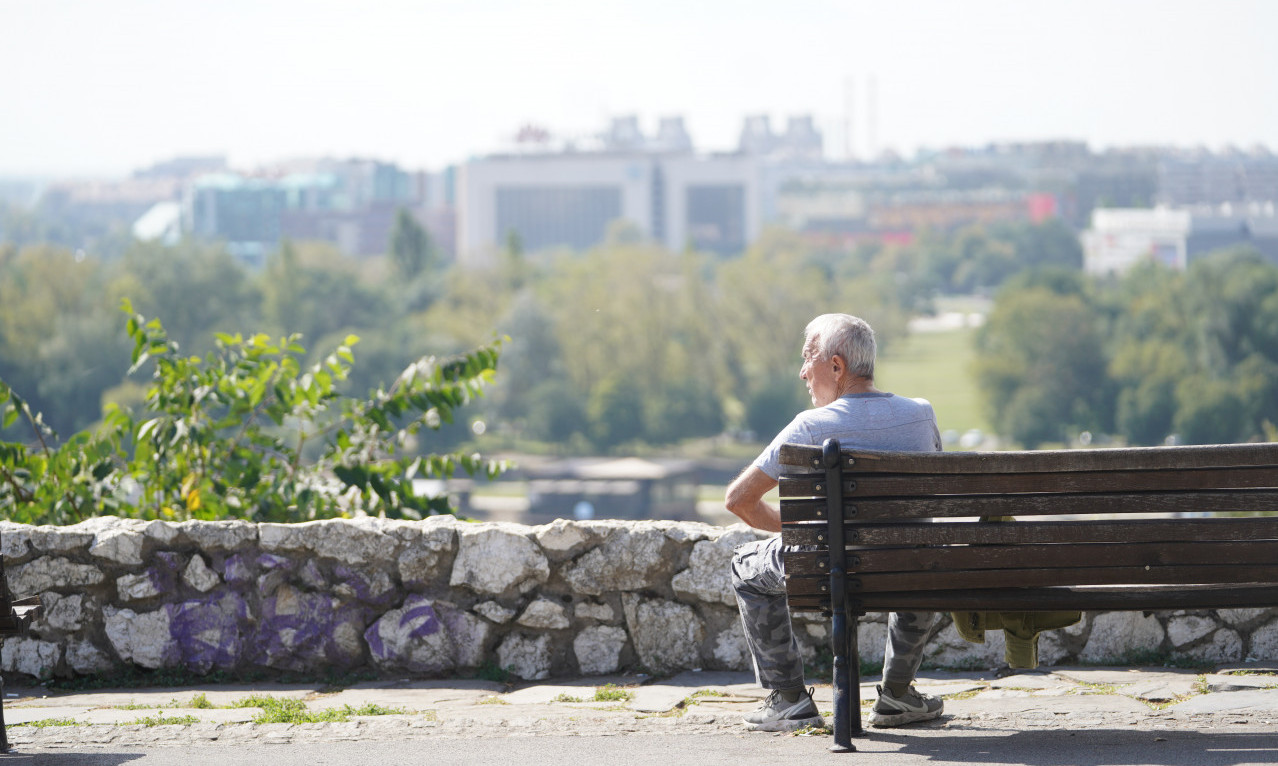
<point x="759" y="581"/>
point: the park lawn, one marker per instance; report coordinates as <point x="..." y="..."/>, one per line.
<point x="936" y="366"/>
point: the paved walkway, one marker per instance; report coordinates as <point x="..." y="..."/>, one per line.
<point x="1158" y="701"/>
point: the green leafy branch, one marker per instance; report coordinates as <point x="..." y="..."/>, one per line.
<point x="228" y="435"/>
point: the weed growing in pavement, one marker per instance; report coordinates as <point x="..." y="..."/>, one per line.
<point x="565" y="697"/>
<point x="613" y="693"/>
<point x="166" y="720"/>
<point x="45" y="722"/>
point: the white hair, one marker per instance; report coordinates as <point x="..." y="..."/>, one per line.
<point x="847" y="336"/>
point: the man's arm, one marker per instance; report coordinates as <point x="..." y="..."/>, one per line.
<point x="745" y="499"/>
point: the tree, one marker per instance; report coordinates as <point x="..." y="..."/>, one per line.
<point x="1041" y="362"/>
<point x="411" y="249"/>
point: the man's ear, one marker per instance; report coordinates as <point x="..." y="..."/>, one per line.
<point x="839" y="364"/>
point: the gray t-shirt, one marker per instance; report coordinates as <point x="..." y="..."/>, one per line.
<point x="879" y="421"/>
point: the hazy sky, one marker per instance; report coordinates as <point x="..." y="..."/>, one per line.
<point x="107" y="86"/>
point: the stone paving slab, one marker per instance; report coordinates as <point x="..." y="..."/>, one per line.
<point x="1072" y="705"/>
<point x="466" y="710"/>
<point x="1220" y="682"/>
<point x="539" y="694"/>
<point x="1163" y="689"/>
<point x="410" y="697"/>
<point x="155" y="698"/>
<point x="118" y="717"/>
<point x="15" y="716"/>
<point x="1255" y="701"/>
<point x="1120" y="676"/>
<point x="1037" y="681"/>
<point x="1250" y="667"/>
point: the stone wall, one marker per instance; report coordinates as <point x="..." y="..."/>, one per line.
<point x="443" y="597"/>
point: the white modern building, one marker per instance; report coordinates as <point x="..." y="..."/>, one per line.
<point x="568" y="200"/>
<point x="1120" y="238"/>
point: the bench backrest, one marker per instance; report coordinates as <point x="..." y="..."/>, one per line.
<point x="1141" y="553"/>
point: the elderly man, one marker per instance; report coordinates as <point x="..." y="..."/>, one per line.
<point x="838" y="367"/>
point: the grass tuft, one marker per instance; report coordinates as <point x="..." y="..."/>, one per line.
<point x="613" y="693"/>
<point x="166" y="720"/>
<point x="46" y="722"/>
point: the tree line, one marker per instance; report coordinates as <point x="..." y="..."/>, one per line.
<point x="623" y="345"/>
<point x="1156" y="356"/>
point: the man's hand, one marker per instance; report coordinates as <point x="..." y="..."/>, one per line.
<point x="745" y="499"/>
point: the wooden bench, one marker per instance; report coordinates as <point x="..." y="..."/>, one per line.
<point x="16" y="617"/>
<point x="857" y="516"/>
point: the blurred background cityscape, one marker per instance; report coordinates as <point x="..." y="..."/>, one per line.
<point x="1061" y="221"/>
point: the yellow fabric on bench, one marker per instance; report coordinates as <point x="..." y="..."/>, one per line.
<point x="1020" y="631"/>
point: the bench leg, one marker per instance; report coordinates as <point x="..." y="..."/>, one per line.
<point x="4" y="735"/>
<point x="847" y="684"/>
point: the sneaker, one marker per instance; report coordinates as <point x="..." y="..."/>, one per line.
<point x="910" y="708"/>
<point x="778" y="714"/>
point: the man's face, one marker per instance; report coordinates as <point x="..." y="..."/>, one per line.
<point x="818" y="373"/>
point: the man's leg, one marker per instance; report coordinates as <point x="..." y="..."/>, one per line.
<point x="899" y="703"/>
<point x="907" y="634"/>
<point x="759" y="582"/>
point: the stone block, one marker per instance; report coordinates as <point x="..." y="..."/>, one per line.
<point x="120" y="546"/>
<point x="50" y="572"/>
<point x="708" y="576"/>
<point x="589" y="610"/>
<point x="631" y="558"/>
<point x="412" y="638"/>
<point x="667" y="635"/>
<point x="199" y="576"/>
<point x="544" y="614"/>
<point x="495" y="612"/>
<point x="143" y="639"/>
<point x="598" y="649"/>
<point x="1116" y="634"/>
<point x="1186" y="629"/>
<point x="730" y="649"/>
<point x="85" y="658"/>
<point x="220" y="535"/>
<point x="495" y="558"/>
<point x="137" y="587"/>
<point x="30" y="656"/>
<point x="526" y="657"/>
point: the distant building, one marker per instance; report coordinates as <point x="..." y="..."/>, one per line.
<point x="1211" y="179"/>
<point x="568" y="200"/>
<point x="1121" y="238"/>
<point x="566" y="195"/>
<point x="350" y="203"/>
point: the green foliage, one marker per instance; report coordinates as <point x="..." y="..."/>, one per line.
<point x="1157" y="355"/>
<point x="411" y="249"/>
<point x="613" y="693"/>
<point x="166" y="720"/>
<point x="225" y="436"/>
<point x="1039" y="355"/>
<point x="276" y="710"/>
<point x="47" y="722"/>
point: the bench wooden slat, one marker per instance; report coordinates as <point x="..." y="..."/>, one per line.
<point x="1083" y="598"/>
<point x="1042" y="577"/>
<point x="1051" y="461"/>
<point x="1046" y="555"/>
<point x="910" y="485"/>
<point x="1016" y="533"/>
<point x="16" y="620"/>
<point x="1082" y="504"/>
